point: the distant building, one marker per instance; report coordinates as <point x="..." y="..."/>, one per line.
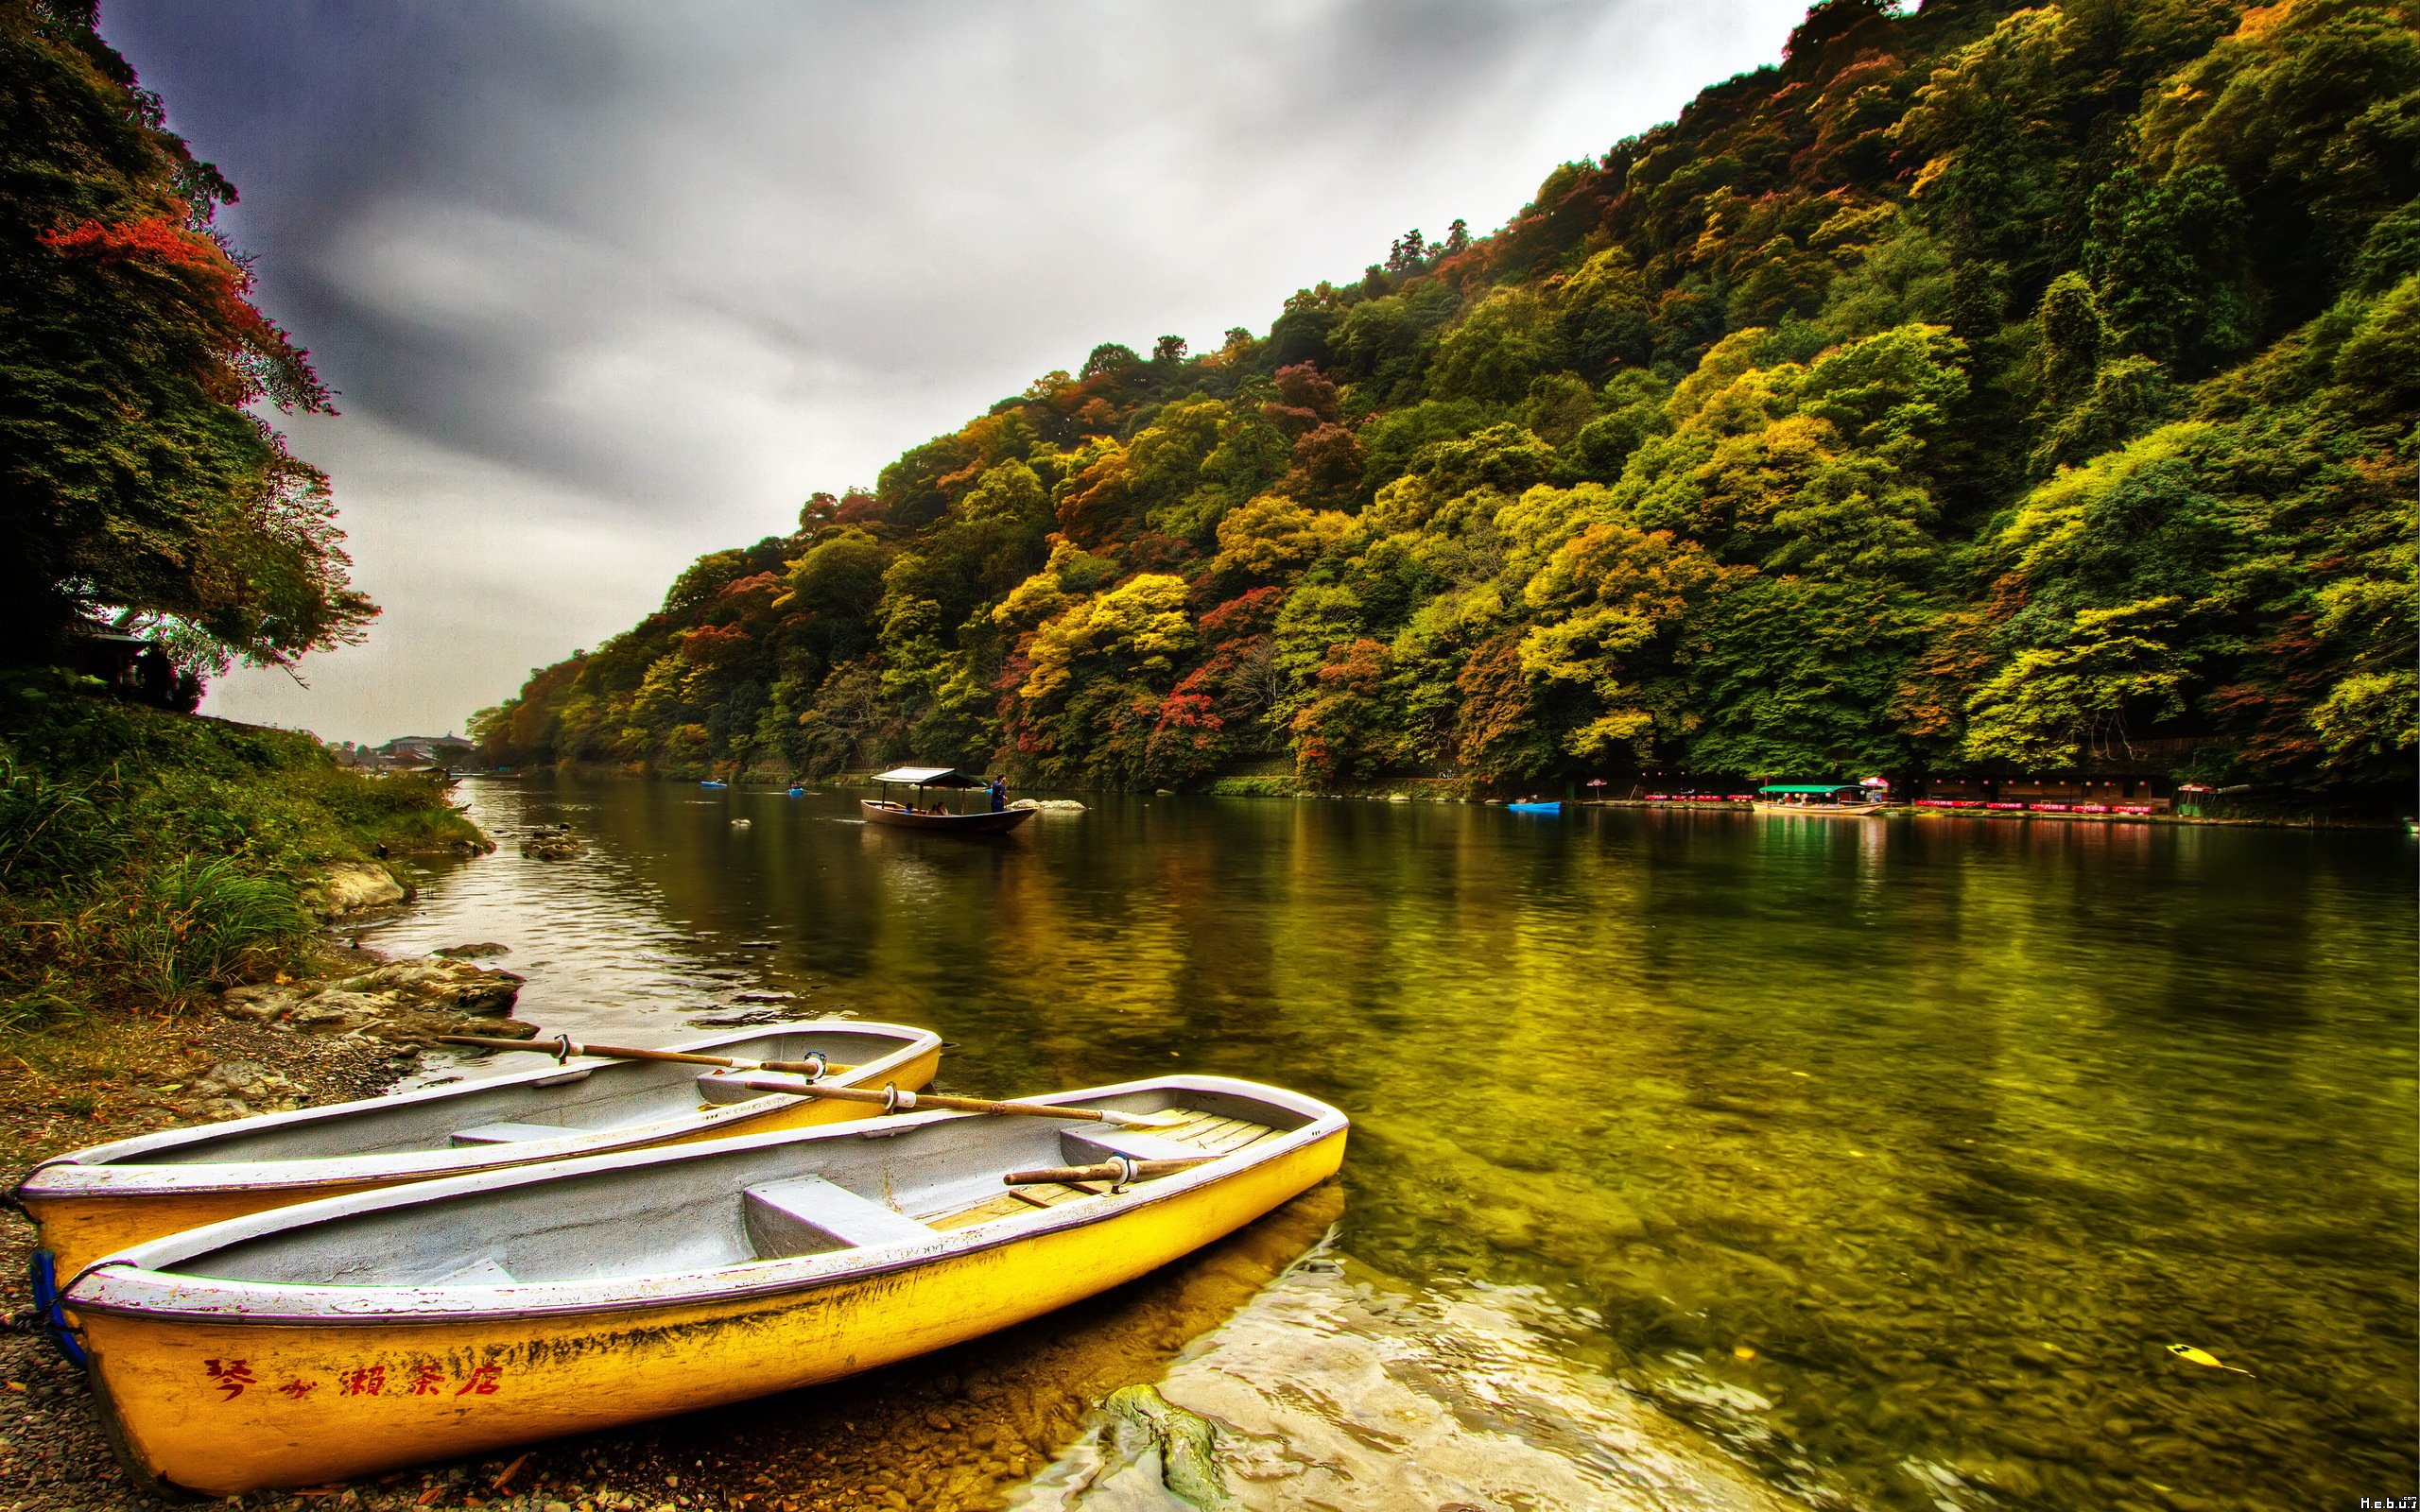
<point x="425" y="750"/>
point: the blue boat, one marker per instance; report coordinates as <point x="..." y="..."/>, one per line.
<point x="1533" y="808"/>
<point x="710" y="783"/>
<point x="798" y="792"/>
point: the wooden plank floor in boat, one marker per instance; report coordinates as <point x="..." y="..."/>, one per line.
<point x="1209" y="1132"/>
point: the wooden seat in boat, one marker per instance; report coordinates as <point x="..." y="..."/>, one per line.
<point x="807" y="1216"/>
<point x="512" y="1133"/>
<point x="1091" y="1147"/>
<point x="1198" y="1132"/>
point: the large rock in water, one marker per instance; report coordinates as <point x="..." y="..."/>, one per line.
<point x="354" y="887"/>
<point x="408" y="1002"/>
<point x="437" y="981"/>
<point x="1337" y="1389"/>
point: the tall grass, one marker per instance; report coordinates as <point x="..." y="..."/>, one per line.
<point x="156" y="936"/>
<point x="48" y="829"/>
<point x="204" y="922"/>
<point x="148" y="858"/>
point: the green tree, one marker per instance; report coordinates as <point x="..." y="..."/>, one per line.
<point x="2168" y="260"/>
<point x="2055" y="703"/>
<point x="143" y="484"/>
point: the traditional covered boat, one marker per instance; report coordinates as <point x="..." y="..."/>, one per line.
<point x="365" y="1332"/>
<point x="1850" y="800"/>
<point x="911" y="814"/>
<point x="96" y="1200"/>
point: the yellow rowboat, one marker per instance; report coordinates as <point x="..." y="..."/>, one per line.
<point x="105" y="1199"/>
<point x="365" y="1332"/>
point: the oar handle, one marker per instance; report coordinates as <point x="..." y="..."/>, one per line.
<point x="564" y="1046"/>
<point x="1106" y="1171"/>
<point x="899" y="1100"/>
<point x="483" y="1042"/>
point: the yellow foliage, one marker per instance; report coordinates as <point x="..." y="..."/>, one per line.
<point x="1271" y="539"/>
<point x="1726" y="361"/>
<point x="1140" y="625"/>
<point x="2052" y="516"/>
<point x="1609" y="278"/>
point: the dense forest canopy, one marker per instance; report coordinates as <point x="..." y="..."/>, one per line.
<point x="1982" y="387"/>
<point x="142" y="485"/>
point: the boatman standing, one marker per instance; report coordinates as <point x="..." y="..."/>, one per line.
<point x="999" y="795"/>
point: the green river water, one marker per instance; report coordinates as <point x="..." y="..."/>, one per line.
<point x="1888" y="1154"/>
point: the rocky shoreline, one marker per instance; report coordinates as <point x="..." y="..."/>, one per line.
<point x="267" y="1050"/>
<point x="350" y="1027"/>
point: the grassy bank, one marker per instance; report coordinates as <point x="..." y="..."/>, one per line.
<point x="148" y="858"/>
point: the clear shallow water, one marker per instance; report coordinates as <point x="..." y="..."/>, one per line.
<point x="1890" y="1153"/>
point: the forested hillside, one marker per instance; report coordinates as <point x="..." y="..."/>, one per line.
<point x="1981" y="389"/>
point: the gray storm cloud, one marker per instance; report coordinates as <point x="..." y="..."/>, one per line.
<point x="606" y="286"/>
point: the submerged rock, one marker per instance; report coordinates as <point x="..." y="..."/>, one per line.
<point x="474" y="953"/>
<point x="555" y="846"/>
<point x="1049" y="805"/>
<point x="1163" y="1442"/>
<point x="1337" y="1387"/>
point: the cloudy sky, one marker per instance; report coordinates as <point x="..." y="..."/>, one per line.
<point x="606" y="285"/>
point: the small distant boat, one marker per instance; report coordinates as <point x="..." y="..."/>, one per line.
<point x="710" y="783"/>
<point x="914" y="814"/>
<point x="90" y="1202"/>
<point x="1533" y="808"/>
<point x="798" y="792"/>
<point x="370" y="1331"/>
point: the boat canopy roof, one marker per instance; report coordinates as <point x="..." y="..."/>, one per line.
<point x="1805" y="787"/>
<point x="929" y="777"/>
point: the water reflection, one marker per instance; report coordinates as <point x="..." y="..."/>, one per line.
<point x="1890" y="1152"/>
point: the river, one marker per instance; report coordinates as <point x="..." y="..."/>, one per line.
<point x="1887" y="1157"/>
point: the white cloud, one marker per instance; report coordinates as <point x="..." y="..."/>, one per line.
<point x="606" y="285"/>
<point x="485" y="572"/>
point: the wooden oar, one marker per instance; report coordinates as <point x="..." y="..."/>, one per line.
<point x="564" y="1047"/>
<point x="1106" y="1171"/>
<point x="896" y="1100"/>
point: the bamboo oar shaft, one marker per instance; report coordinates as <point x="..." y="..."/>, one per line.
<point x="574" y="1047"/>
<point x="901" y="1100"/>
<point x="1106" y="1171"/>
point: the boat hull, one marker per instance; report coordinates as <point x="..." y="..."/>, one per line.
<point x="1823" y="810"/>
<point x="982" y="822"/>
<point x="340" y="1398"/>
<point x="81" y="1213"/>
